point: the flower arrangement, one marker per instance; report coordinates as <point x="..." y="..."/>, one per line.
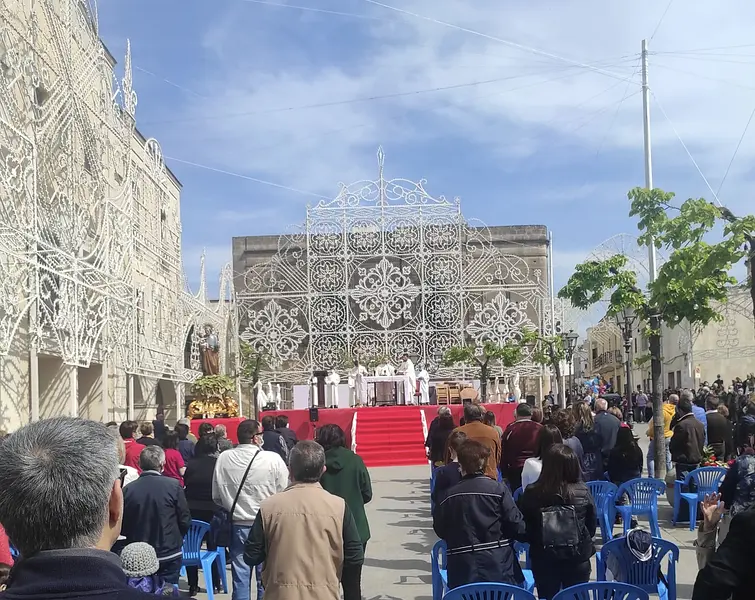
<point x="711" y="460"/>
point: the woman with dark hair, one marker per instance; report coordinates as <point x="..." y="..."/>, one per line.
<point x="174" y="462"/>
<point x="479" y="521"/>
<point x="564" y="420"/>
<point x="198" y="480"/>
<point x="346" y="476"/>
<point x="437" y="438"/>
<point x="204" y="429"/>
<point x="489" y="419"/>
<point x="625" y="460"/>
<point x="448" y="475"/>
<point x="561" y="521"/>
<point x="546" y="437"/>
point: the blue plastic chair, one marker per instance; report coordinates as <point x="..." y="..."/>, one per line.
<point x="625" y="567"/>
<point x="707" y="480"/>
<point x="604" y="495"/>
<point x="602" y="591"/>
<point x="523" y="549"/>
<point x="517" y="493"/>
<point x="439" y="577"/>
<point x="432" y="487"/>
<point x="195" y="556"/>
<point x="488" y="591"/>
<point x="643" y="495"/>
<point x="14" y="552"/>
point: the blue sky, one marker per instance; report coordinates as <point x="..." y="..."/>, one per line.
<point x="529" y="112"/>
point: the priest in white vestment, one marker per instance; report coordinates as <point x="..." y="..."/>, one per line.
<point x="261" y="396"/>
<point x="424" y="386"/>
<point x="359" y="373"/>
<point x="406" y="368"/>
<point x="384" y="390"/>
<point x="333" y="380"/>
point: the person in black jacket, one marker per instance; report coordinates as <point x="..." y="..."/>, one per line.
<point x="272" y="440"/>
<point x="719" y="430"/>
<point x="289" y="435"/>
<point x="559" y="504"/>
<point x="155" y="511"/>
<point x="448" y="475"/>
<point x="479" y="522"/>
<point x="687" y="443"/>
<point x="607" y="427"/>
<point x="198" y="482"/>
<point x="437" y="437"/>
<point x="625" y="460"/>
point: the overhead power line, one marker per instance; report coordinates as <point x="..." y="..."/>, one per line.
<point x="663" y="16"/>
<point x="736" y="150"/>
<point x="315" y="10"/>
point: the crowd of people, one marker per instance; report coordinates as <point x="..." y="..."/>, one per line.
<point x="100" y="511"/>
<point x="547" y="460"/>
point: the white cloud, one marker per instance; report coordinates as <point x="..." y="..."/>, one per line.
<point x="517" y="118"/>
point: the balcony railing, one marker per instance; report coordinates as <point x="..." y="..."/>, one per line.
<point x="612" y="357"/>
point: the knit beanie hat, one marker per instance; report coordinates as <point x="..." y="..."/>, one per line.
<point x="139" y="560"/>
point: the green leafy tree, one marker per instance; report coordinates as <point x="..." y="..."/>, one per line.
<point x="253" y="362"/>
<point x="483" y="358"/>
<point x="549" y="351"/>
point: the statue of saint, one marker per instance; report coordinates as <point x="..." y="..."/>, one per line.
<point x="209" y="347"/>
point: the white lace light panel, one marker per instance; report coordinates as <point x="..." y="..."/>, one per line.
<point x="382" y="269"/>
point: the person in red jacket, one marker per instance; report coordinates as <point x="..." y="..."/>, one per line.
<point x="133" y="449"/>
<point x="519" y="442"/>
<point x="5" y="556"/>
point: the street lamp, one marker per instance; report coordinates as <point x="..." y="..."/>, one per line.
<point x="570" y="345"/>
<point x="625" y="319"/>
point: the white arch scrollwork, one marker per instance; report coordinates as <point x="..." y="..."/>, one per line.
<point x="384" y="268"/>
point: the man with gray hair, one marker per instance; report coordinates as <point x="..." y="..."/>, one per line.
<point x="333" y="553"/>
<point x="606" y="427"/>
<point x="61" y="505"/>
<point x="223" y="442"/>
<point x="155" y="511"/>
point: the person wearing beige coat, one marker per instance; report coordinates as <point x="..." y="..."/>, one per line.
<point x="306" y="538"/>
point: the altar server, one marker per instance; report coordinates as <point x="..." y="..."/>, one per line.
<point x="359" y="374"/>
<point x="424" y="386"/>
<point x="410" y="378"/>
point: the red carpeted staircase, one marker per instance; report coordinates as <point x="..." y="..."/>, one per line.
<point x="390" y="436"/>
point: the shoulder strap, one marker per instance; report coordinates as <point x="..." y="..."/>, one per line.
<point x="241" y="485"/>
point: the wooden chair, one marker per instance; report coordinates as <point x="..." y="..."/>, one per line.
<point x="442" y="394"/>
<point x="454" y="394"/>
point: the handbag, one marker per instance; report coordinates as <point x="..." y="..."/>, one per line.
<point x="561" y="531"/>
<point x="221" y="526"/>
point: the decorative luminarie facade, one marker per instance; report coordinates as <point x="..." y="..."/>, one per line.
<point x="385" y="268"/>
<point x="95" y="316"/>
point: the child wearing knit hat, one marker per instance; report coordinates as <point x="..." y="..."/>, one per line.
<point x="140" y="565"/>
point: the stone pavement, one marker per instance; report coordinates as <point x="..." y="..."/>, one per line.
<point x="397" y="564"/>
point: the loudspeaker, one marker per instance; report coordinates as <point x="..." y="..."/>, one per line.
<point x="530" y="400"/>
<point x="314" y="414"/>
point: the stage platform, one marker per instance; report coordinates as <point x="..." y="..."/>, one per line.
<point x="383" y="436"/>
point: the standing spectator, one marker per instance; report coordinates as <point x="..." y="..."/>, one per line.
<point x="489" y="420"/>
<point x="479" y="521"/>
<point x="263" y="474"/>
<point x="448" y="475"/>
<point x="148" y="435"/>
<point x="719" y="430"/>
<point x="189" y="436"/>
<point x="625" y="460"/>
<point x="592" y="445"/>
<point x="346" y="476"/>
<point x="606" y="426"/>
<point x="223" y="442"/>
<point x="272" y="440"/>
<point x="332" y="554"/>
<point x="475" y="429"/>
<point x="131" y="474"/>
<point x="669" y="410"/>
<point x="745" y="431"/>
<point x="159" y="426"/>
<point x="198" y="481"/>
<point x="564" y="420"/>
<point x="537" y="415"/>
<point x="547" y="437"/>
<point x="5" y="556"/>
<point x="519" y="444"/>
<point x="155" y="511"/>
<point x="688" y="440"/>
<point x="174" y="466"/>
<point x="204" y="429"/>
<point x="437" y="438"/>
<point x="442" y="411"/>
<point x="133" y="450"/>
<point x="288" y="434"/>
<point x="185" y="445"/>
<point x="561" y="545"/>
<point x="640" y="405"/>
<point x="698" y="409"/>
<point x="66" y="469"/>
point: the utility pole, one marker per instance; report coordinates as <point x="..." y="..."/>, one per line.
<point x="655" y="323"/>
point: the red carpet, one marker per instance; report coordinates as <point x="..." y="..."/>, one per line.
<point x="385" y="436"/>
<point x="390" y="436"/>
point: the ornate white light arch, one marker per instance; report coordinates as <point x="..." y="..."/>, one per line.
<point x="381" y="269"/>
